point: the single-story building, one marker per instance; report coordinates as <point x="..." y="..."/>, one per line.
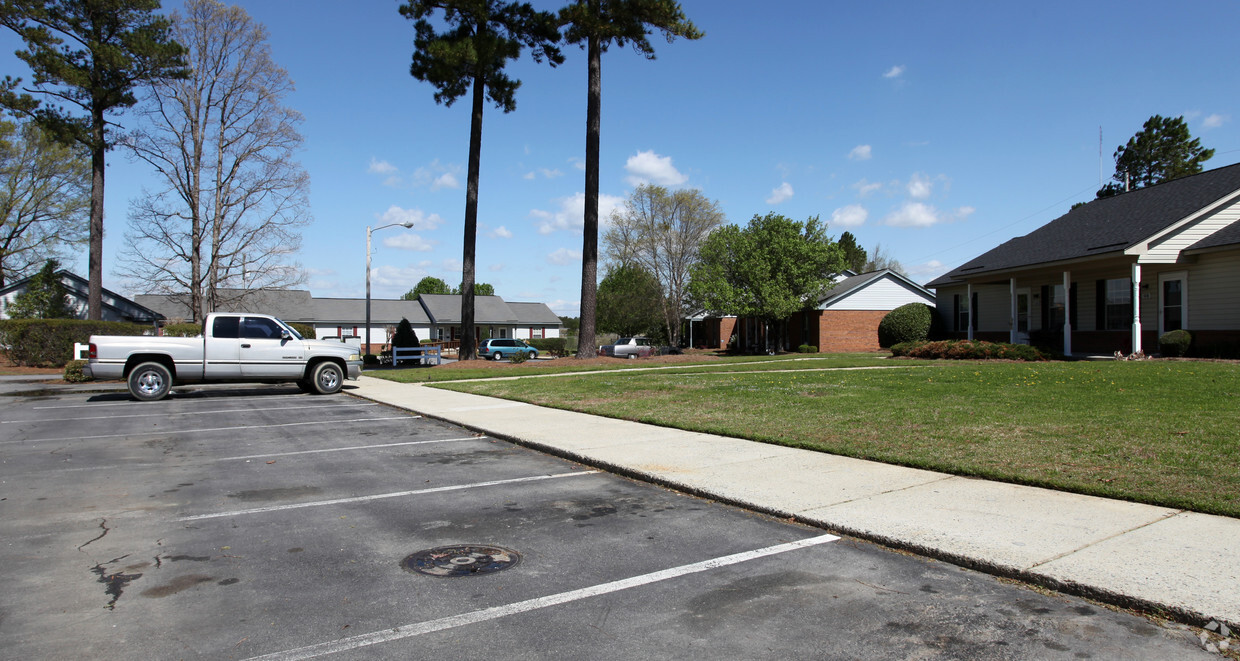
<point x="1113" y="274"/>
<point x="845" y="319"/>
<point x="432" y="316"/>
<point x="77" y="288"/>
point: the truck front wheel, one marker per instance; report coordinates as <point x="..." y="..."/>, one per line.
<point x="150" y="382"/>
<point x="327" y="377"/>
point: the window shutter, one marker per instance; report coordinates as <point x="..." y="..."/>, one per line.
<point x="1100" y="305"/>
<point x="956" y="312"/>
<point x="973" y="312"/>
<point x="1072" y="306"/>
<point x="1046" y="307"/>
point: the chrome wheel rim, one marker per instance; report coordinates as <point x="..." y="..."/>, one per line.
<point x="150" y="383"/>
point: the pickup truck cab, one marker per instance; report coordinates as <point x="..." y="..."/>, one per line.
<point x="628" y="347"/>
<point x="234" y="347"/>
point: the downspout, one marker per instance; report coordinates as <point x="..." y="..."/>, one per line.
<point x="1012" y="318"/>
<point x="968" y="302"/>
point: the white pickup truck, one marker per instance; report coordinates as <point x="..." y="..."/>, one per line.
<point x="234" y="347"/>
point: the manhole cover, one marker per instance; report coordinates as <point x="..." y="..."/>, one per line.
<point x="462" y="560"/>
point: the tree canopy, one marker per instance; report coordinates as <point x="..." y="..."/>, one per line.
<point x="770" y="269"/>
<point x="595" y="25"/>
<point x="630" y="302"/>
<point x="854" y="254"/>
<point x="225" y="219"/>
<point x="661" y="231"/>
<point x="88" y="54"/>
<point x="44" y="199"/>
<point x="428" y="285"/>
<point x="1161" y="151"/>
<point x="480" y="37"/>
<point x="45" y="297"/>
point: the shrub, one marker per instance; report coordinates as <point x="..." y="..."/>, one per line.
<point x="807" y="348"/>
<point x="305" y="330"/>
<point x="968" y="350"/>
<point x="1175" y="343"/>
<point x="405" y="337"/>
<point x="908" y="323"/>
<point x="74" y="373"/>
<point x="182" y="330"/>
<point x="517" y="357"/>
<point x="49" y="342"/>
<point x="371" y="359"/>
<point x="552" y="346"/>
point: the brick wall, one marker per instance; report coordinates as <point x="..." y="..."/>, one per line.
<point x="849" y="330"/>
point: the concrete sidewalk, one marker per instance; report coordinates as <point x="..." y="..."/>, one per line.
<point x="1182" y="563"/>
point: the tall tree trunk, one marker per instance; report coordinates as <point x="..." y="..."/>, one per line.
<point x="94" y="296"/>
<point x="586" y="346"/>
<point x="469" y="344"/>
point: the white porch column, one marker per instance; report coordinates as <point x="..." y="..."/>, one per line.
<point x="1136" y="308"/>
<point x="1067" y="313"/>
<point x="1012" y="318"/>
<point x="968" y="302"/>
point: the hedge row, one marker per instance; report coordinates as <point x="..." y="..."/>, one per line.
<point x="968" y="350"/>
<point x="49" y="342"/>
<point x="554" y="346"/>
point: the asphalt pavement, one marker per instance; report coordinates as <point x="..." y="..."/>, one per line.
<point x="1163" y="560"/>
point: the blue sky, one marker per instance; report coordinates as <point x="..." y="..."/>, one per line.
<point x="937" y="130"/>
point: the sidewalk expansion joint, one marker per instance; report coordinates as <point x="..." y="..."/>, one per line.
<point x="1172" y="514"/>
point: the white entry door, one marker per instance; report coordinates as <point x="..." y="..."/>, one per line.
<point x="1172" y="301"/>
<point x="1024" y="299"/>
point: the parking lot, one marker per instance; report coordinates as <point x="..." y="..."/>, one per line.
<point x="260" y="522"/>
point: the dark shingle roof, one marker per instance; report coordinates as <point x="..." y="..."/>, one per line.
<point x="1106" y="226"/>
<point x="537" y="314"/>
<point x="446" y="309"/>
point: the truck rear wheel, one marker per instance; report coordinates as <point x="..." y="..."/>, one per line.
<point x="150" y="382"/>
<point x="327" y="377"/>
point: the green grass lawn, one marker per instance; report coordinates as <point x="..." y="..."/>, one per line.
<point x="1160" y="432"/>
<point x="705" y="364"/>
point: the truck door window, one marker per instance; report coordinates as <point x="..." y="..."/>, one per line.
<point x="225" y="327"/>
<point x="259" y="328"/>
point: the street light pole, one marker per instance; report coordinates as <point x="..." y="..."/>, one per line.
<point x="407" y="225"/>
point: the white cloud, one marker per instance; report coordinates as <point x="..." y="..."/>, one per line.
<point x="918" y="214"/>
<point x="919" y="187"/>
<point x="564" y="308"/>
<point x="380" y="167"/>
<point x="564" y="256"/>
<point x="860" y="153"/>
<point x="780" y="193"/>
<point x="849" y="216"/>
<point x="495" y="268"/>
<point x="865" y="188"/>
<point x="1214" y="121"/>
<point x="577" y="163"/>
<point x="647" y="167"/>
<point x="420" y="220"/>
<point x="409" y="241"/>
<point x="500" y="232"/>
<point x="894" y="72"/>
<point x="528" y="176"/>
<point x="913" y="214"/>
<point x="445" y="180"/>
<point x="926" y="272"/>
<point x="393" y="278"/>
<point x="572" y="212"/>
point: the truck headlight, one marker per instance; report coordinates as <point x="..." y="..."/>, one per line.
<point x="355" y="357"/>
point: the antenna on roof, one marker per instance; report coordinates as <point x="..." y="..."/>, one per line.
<point x="1100" y="156"/>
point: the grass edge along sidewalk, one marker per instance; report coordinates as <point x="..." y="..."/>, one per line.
<point x="1165" y="433"/>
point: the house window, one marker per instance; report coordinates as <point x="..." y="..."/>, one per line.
<point x="1117" y="302"/>
<point x="1055" y="308"/>
<point x="538" y="333"/>
<point x="961" y="313"/>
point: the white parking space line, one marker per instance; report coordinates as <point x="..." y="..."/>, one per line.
<point x="419" y="628"/>
<point x="355" y="447"/>
<point x="397" y="494"/>
<point x="168" y="432"/>
<point x="264" y="456"/>
<point x="173" y="414"/>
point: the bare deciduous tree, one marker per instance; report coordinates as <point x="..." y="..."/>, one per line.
<point x="44" y="199"/>
<point x="661" y="232"/>
<point x="234" y="200"/>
